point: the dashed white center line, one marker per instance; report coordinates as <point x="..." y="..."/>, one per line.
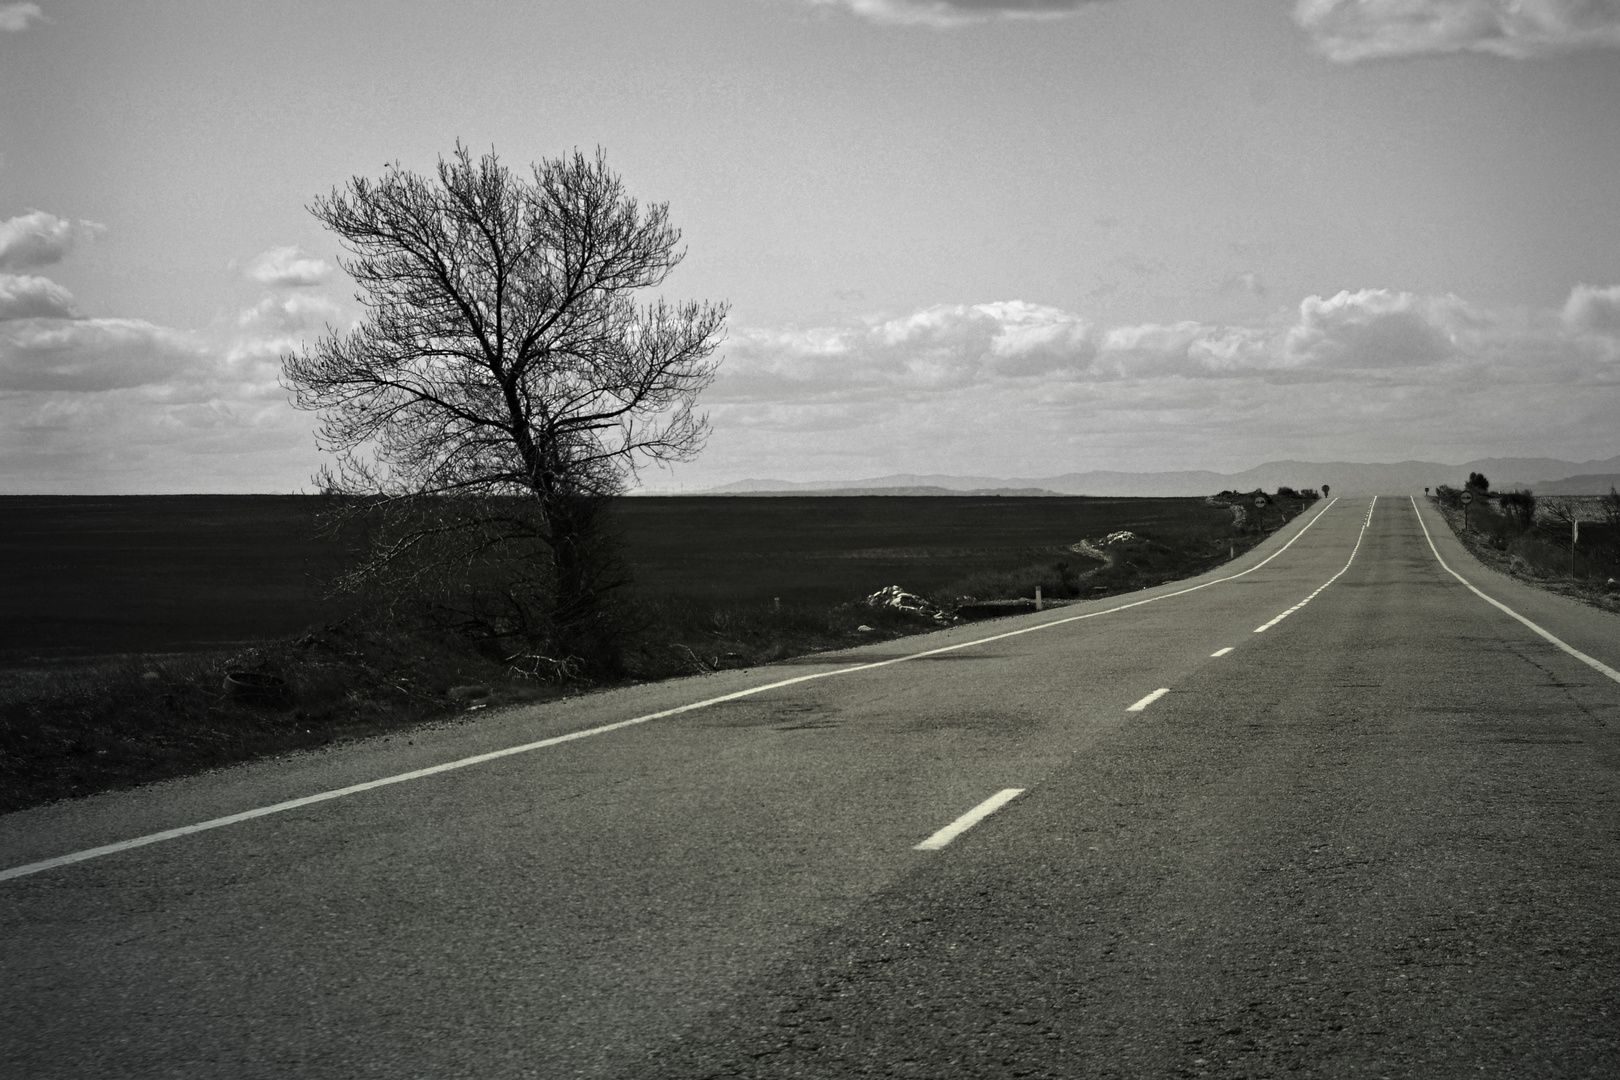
<point x="1329" y="581"/>
<point x="1221" y="652"/>
<point x="969" y="819"/>
<point x="1150" y="699"/>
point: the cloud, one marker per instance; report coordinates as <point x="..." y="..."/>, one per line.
<point x="1593" y="310"/>
<point x="945" y="347"/>
<point x="39" y="239"/>
<point x="27" y="297"/>
<point x="91" y="405"/>
<point x="92" y="354"/>
<point x="299" y="312"/>
<point x="14" y="18"/>
<point x="1375" y="328"/>
<point x="138" y="439"/>
<point x="1020" y="389"/>
<point x="288" y="267"/>
<point x="1351" y="30"/>
<point x="947" y="13"/>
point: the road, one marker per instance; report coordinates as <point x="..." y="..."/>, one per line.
<point x="1380" y="837"/>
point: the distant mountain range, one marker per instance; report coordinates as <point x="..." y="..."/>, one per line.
<point x="1547" y="476"/>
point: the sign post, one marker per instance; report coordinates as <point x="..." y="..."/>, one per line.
<point x="1574" y="538"/>
<point x="1467" y="497"/>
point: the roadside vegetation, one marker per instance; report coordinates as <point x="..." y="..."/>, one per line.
<point x="719" y="584"/>
<point x="1535" y="539"/>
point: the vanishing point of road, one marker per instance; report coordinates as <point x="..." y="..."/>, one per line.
<point x="1345" y="807"/>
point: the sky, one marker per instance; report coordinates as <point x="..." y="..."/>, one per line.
<point x="1001" y="238"/>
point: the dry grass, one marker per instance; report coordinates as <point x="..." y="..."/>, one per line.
<point x="71" y="729"/>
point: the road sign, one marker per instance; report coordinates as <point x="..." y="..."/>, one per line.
<point x="1467" y="497"/>
<point x="1259" y="500"/>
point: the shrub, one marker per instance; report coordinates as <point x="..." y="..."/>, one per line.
<point x="1520" y="506"/>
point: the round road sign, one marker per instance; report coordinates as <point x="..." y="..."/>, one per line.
<point x="1259" y="500"/>
<point x="1467" y="497"/>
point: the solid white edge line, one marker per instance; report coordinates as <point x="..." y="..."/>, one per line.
<point x="969" y="819"/>
<point x="1221" y="652"/>
<point x="461" y="763"/>
<point x="1592" y="662"/>
<point x="1329" y="581"/>
<point x="1150" y="699"/>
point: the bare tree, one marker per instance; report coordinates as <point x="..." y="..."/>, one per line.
<point x="503" y="383"/>
<point x="1560" y="510"/>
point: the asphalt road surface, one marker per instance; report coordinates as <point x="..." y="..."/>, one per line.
<point x="1379" y="837"/>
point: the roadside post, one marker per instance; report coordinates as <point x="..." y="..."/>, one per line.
<point x="1466" y="498"/>
<point x="1037" y="598"/>
<point x="1574" y="538"/>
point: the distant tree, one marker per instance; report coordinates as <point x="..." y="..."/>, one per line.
<point x="503" y="383"/>
<point x="1611" y="507"/>
<point x="1477" y="483"/>
<point x="1520" y="506"/>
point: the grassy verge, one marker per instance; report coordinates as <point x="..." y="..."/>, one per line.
<point x="1540" y="555"/>
<point x="74" y="728"/>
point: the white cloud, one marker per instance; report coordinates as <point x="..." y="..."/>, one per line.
<point x="136" y="440"/>
<point x="27" y="297"/>
<point x="1594" y="310"/>
<point x="947" y="13"/>
<point x="948" y="346"/>
<point x="288" y="267"/>
<point x="1019" y="389"/>
<point x="50" y="354"/>
<point x="39" y="239"/>
<point x="93" y="405"/>
<point x="1376" y="328"/>
<point x="1351" y="30"/>
<point x="14" y="18"/>
<point x="299" y="312"/>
